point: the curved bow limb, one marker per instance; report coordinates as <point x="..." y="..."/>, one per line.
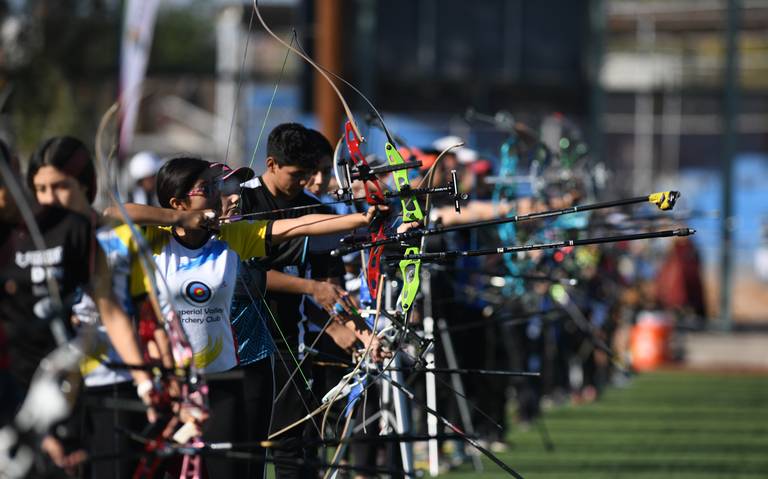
<point x="194" y="391"/>
<point x="353" y="138"/>
<point x="297" y="365"/>
<point x="508" y="191"/>
<point x="320" y="70"/>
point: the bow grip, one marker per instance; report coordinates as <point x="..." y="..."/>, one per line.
<point x="411" y="209"/>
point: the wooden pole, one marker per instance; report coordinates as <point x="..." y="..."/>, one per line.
<point x="328" y="49"/>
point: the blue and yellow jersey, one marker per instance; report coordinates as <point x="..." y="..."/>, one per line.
<point x="198" y="282"/>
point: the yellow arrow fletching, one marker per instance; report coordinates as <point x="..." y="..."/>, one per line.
<point x="664" y="200"/>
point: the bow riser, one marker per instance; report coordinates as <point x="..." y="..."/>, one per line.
<point x="411" y="209"/>
<point x="373" y="191"/>
<point x="409" y="269"/>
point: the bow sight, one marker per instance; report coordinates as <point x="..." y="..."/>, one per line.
<point x="367" y="173"/>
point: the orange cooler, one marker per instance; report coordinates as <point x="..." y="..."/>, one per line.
<point x="650" y="339"/>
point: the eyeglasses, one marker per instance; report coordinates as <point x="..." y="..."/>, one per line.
<point x="227" y="187"/>
<point x="206" y="189"/>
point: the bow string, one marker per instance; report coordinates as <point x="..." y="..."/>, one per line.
<point x="194" y="390"/>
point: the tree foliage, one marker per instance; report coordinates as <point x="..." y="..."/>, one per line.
<point x="71" y="62"/>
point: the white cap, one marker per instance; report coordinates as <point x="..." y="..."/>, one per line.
<point x="446" y="142"/>
<point x="463" y="154"/>
<point x="143" y="164"/>
<point x="466" y="155"/>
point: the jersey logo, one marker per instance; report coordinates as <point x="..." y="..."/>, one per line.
<point x="209" y="353"/>
<point x="196" y="293"/>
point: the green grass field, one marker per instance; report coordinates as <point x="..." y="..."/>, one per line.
<point x="673" y="424"/>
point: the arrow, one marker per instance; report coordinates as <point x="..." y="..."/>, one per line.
<point x="442" y="255"/>
<point x="664" y="200"/>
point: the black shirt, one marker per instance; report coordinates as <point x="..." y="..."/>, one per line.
<point x="24" y="296"/>
<point x="303" y="257"/>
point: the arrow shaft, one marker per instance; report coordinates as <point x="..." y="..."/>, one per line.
<point x="493" y="222"/>
<point x="489" y="372"/>
<point x="305" y="208"/>
<point x="540" y="246"/>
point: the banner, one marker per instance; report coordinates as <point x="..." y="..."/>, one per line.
<point x="139" y="26"/>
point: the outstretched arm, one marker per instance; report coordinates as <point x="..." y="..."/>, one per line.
<point x="146" y="215"/>
<point x="316" y="225"/>
<point x="476" y="210"/>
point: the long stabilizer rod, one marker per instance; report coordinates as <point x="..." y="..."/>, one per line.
<point x="664" y="200"/>
<point x="442" y="255"/>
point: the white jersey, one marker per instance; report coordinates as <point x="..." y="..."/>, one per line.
<point x="100" y="351"/>
<point x="200" y="285"/>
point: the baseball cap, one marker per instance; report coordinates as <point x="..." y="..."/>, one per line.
<point x="242" y="173"/>
<point x="463" y="154"/>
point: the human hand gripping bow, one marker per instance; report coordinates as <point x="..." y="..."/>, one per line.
<point x="374" y="196"/>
